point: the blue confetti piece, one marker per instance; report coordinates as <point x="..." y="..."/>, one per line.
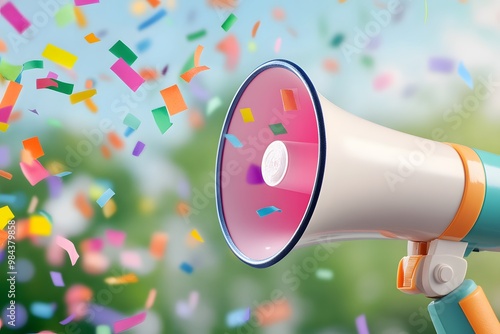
<point x="143" y="45"/>
<point x="465" y="75"/>
<point x="186" y="267"/>
<point x="267" y="210"/>
<point x="43" y="310"/>
<point x="152" y="20"/>
<point x="237" y="317"/>
<point x="233" y="140"/>
<point x="129" y="131"/>
<point x="63" y="174"/>
<point x="105" y="197"/>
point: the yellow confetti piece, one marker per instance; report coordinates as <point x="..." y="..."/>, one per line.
<point x="92" y="38"/>
<point x="109" y="208"/>
<point x="81" y="96"/>
<point x="39" y="225"/>
<point x="125" y="279"/>
<point x="247" y="115"/>
<point x="5" y="216"/>
<point x="59" y="56"/>
<point x="4" y="126"/>
<point x="195" y="234"/>
<point x="81" y="20"/>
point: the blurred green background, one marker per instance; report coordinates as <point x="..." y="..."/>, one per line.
<point x="391" y="81"/>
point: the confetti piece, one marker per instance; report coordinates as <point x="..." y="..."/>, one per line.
<point x="5" y="216"/>
<point x="5" y="175"/>
<point x="124" y="279"/>
<point x="440" y="64"/>
<point x="69" y="247"/>
<point x="63" y="174"/>
<point x="196" y="35"/>
<point x="254" y="175"/>
<point x="5" y="114"/>
<point x="61" y="87"/>
<point x="81" y="20"/>
<point x="238" y="317"/>
<point x="81" y="96"/>
<point x="67" y="320"/>
<point x="103" y="329"/>
<point x="115" y="140"/>
<point x="34" y="173"/>
<point x="83" y="205"/>
<point x="120" y="50"/>
<point x="281" y="311"/>
<point x="247" y="115"/>
<point x="173" y="100"/>
<point x="195" y="234"/>
<point x="3" y="238"/>
<point x="115" y="237"/>
<point x="331" y="65"/>
<point x="138" y="148"/>
<point x="154" y="3"/>
<point x="39" y="225"/>
<point x="255" y="28"/>
<point x="229" y="22"/>
<point x="59" y="56"/>
<point x="279" y="14"/>
<point x="144" y="45"/>
<point x="109" y="209"/>
<point x="45" y="82"/>
<point x="230" y="48"/>
<point x="190" y="74"/>
<point x="153" y="19"/>
<point x="158" y="245"/>
<point x="288" y="99"/>
<point x="186" y="267"/>
<point x="361" y="325"/>
<point x="9" y="71"/>
<point x="267" y="211"/>
<point x="128" y="131"/>
<point x="151" y="299"/>
<point x="34" y="147"/>
<point x="277" y="45"/>
<point x="277" y="129"/>
<point x="91" y="105"/>
<point x="465" y="75"/>
<point x="92" y="38"/>
<point x="337" y="40"/>
<point x="57" y="279"/>
<point x="33" y="204"/>
<point x="233" y="140"/>
<point x="32" y="64"/>
<point x="65" y="15"/>
<point x="213" y="105"/>
<point x="11" y="94"/>
<point x="324" y="274"/>
<point x="382" y="81"/>
<point x="130" y="77"/>
<point x="85" y="2"/>
<point x="3" y="46"/>
<point x="128" y="323"/>
<point x="14" y="17"/>
<point x="106" y="152"/>
<point x="42" y="310"/>
<point x="105" y="197"/>
<point x="131" y="121"/>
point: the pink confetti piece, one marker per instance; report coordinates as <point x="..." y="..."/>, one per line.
<point x="35" y="172"/>
<point x="127" y="74"/>
<point x="5" y="114"/>
<point x="45" y="82"/>
<point x="151" y="299"/>
<point x="277" y="45"/>
<point x="14" y="17"/>
<point x="85" y="2"/>
<point x="69" y="247"/>
<point x="230" y="47"/>
<point x="115" y="237"/>
<point x="67" y="320"/>
<point x="361" y="325"/>
<point x="123" y="325"/>
<point x="57" y="278"/>
<point x="52" y="75"/>
<point x="382" y="81"/>
<point x="131" y="260"/>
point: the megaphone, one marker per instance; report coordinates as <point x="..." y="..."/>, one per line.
<point x="293" y="169"/>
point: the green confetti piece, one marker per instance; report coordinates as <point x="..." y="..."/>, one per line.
<point x="230" y="21"/>
<point x="277" y="129"/>
<point x="324" y="274"/>
<point x="54" y="122"/>
<point x="189" y="64"/>
<point x="65" y="15"/>
<point x="9" y="71"/>
<point x="120" y="50"/>
<point x="197" y="34"/>
<point x="132" y="121"/>
<point x="337" y="40"/>
<point x="367" y="61"/>
<point x="62" y="87"/>
<point x="103" y="329"/>
<point x="32" y="64"/>
<point x="162" y="119"/>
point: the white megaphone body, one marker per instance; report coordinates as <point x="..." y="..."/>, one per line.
<point x="293" y="169"/>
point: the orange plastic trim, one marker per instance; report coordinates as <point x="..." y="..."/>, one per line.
<point x="406" y="280"/>
<point x="478" y="311"/>
<point x="473" y="197"/>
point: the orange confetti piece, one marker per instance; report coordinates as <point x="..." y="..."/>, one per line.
<point x="26" y="157"/>
<point x="3" y="237"/>
<point x="91" y="105"/>
<point x="148" y="74"/>
<point x="197" y="55"/>
<point x="154" y="3"/>
<point x="15" y="116"/>
<point x="330" y="65"/>
<point x="3" y="46"/>
<point x="92" y="38"/>
<point x="158" y="245"/>
<point x="125" y="279"/>
<point x="288" y="98"/>
<point x="151" y="299"/>
<point x="196" y="119"/>
<point x="255" y="28"/>
<point x="81" y="20"/>
<point x="182" y="209"/>
<point x="34" y="147"/>
<point x="190" y="74"/>
<point x="11" y="94"/>
<point x="109" y="208"/>
<point x="89" y="83"/>
<point x="115" y="140"/>
<point x="231" y="49"/>
<point x="83" y="205"/>
<point x="106" y="152"/>
<point x="281" y="311"/>
<point x="173" y="100"/>
<point x="5" y="175"/>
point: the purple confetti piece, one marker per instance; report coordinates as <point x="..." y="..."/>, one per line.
<point x="441" y="64"/>
<point x="138" y="148"/>
<point x="361" y="325"/>
<point x="55" y="184"/>
<point x="4" y="156"/>
<point x="67" y="320"/>
<point x="57" y="278"/>
<point x="254" y="175"/>
<point x="34" y="111"/>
